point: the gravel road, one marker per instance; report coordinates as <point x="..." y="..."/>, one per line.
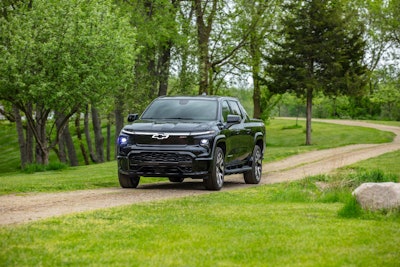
<point x="23" y="208"/>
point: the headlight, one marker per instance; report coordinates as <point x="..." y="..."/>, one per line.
<point x="205" y="143"/>
<point x="122" y="140"/>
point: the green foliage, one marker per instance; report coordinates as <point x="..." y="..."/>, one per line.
<point x="9" y="156"/>
<point x="60" y="56"/>
<point x="52" y="166"/>
<point x="321" y="50"/>
<point x="62" y="53"/>
<point x="374" y="176"/>
<point x="351" y="209"/>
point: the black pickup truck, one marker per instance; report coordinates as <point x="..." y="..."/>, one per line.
<point x="201" y="137"/>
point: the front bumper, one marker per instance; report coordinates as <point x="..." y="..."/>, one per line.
<point x="161" y="162"/>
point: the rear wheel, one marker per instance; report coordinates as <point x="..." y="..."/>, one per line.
<point x="216" y="179"/>
<point x="128" y="181"/>
<point x="176" y="179"/>
<point x="254" y="175"/>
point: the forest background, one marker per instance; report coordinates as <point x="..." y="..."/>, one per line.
<point x="70" y="71"/>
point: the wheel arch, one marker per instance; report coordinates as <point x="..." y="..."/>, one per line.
<point x="219" y="141"/>
<point x="259" y="140"/>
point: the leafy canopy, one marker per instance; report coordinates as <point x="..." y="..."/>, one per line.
<point x="320" y="49"/>
<point x="60" y="54"/>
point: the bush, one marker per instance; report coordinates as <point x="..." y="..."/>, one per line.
<point x="52" y="166"/>
<point x="351" y="209"/>
<point x="373" y="176"/>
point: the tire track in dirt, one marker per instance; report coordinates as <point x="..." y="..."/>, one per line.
<point x="30" y="207"/>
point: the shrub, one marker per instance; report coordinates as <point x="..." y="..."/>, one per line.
<point x="52" y="166"/>
<point x="351" y="209"/>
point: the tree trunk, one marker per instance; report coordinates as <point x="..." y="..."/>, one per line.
<point x="309" y="115"/>
<point x="66" y="152"/>
<point x="98" y="136"/>
<point x="163" y="68"/>
<point x="255" y="69"/>
<point x="21" y="138"/>
<point x="87" y="135"/>
<point x="119" y="119"/>
<point x="79" y="135"/>
<point x="203" y="37"/>
<point x="108" y="153"/>
<point x="42" y="150"/>
<point x="61" y="152"/>
<point x="29" y="138"/>
<point x="69" y="143"/>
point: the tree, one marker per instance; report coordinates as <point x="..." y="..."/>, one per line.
<point x="321" y="51"/>
<point x="258" y="18"/>
<point x="204" y="24"/>
<point x="386" y="92"/>
<point x="156" y="36"/>
<point x="221" y="35"/>
<point x="393" y="20"/>
<point x="59" y="56"/>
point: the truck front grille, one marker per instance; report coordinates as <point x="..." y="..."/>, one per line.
<point x="158" y="157"/>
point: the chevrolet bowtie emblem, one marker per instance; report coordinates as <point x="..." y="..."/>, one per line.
<point x="160" y="136"/>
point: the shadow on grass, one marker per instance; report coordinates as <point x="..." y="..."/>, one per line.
<point x="190" y="184"/>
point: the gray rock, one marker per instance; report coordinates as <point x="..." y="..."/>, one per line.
<point x="378" y="196"/>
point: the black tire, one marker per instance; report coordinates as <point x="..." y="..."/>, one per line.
<point x="128" y="181"/>
<point x="176" y="179"/>
<point x="216" y="179"/>
<point x="254" y="175"/>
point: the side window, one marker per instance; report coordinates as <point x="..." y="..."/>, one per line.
<point x="235" y="108"/>
<point x="225" y="110"/>
<point x="244" y="113"/>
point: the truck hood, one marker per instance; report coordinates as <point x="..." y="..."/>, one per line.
<point x="169" y="127"/>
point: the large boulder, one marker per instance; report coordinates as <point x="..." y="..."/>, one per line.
<point x="378" y="196"/>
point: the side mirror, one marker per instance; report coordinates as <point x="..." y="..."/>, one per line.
<point x="233" y="119"/>
<point x="133" y="117"/>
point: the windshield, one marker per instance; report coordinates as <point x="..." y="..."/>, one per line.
<point x="184" y="109"/>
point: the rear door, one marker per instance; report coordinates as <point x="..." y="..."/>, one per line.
<point x="240" y="141"/>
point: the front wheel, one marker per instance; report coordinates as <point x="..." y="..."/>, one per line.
<point x="128" y="181"/>
<point x="216" y="178"/>
<point x="254" y="175"/>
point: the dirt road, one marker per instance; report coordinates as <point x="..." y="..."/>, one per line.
<point x="29" y="207"/>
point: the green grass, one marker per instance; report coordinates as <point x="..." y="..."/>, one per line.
<point x="9" y="156"/>
<point x="388" y="162"/>
<point x="10" y="159"/>
<point x="286" y="138"/>
<point x="391" y="123"/>
<point x="249" y="227"/>
<point x="311" y="222"/>
<point x="73" y="178"/>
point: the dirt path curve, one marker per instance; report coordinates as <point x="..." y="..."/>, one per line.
<point x="29" y="207"/>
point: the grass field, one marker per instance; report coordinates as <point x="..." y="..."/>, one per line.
<point x="286" y="137"/>
<point x="282" y="140"/>
<point x="287" y="224"/>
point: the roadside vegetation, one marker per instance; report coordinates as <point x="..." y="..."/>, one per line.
<point x="311" y="222"/>
<point x="284" y="138"/>
<point x="74" y="69"/>
<point x="290" y="224"/>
